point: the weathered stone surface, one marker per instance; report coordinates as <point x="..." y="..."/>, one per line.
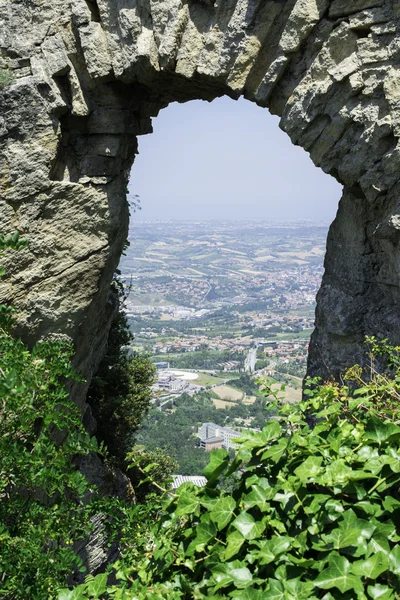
<point x="86" y="78"/>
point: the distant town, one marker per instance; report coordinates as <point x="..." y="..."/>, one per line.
<point x="219" y="305"/>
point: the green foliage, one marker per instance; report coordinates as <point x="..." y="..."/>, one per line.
<point x="120" y="391"/>
<point x="293" y="367"/>
<point x="246" y="384"/>
<point x="150" y="471"/>
<point x="40" y="434"/>
<point x="204" y="359"/>
<point x="314" y="512"/>
<point x="46" y="504"/>
<point x="9" y="242"/>
<point x="5" y="77"/>
<point x="40" y="513"/>
<point x="173" y="433"/>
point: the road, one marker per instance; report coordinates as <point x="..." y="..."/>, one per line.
<point x="251" y="359"/>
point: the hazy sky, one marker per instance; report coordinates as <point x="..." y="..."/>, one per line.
<point x="227" y="160"/>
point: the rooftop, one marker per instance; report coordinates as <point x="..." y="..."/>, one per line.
<point x="195" y="479"/>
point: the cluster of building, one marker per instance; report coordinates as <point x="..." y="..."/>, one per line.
<point x="279" y="320"/>
<point x="192" y="287"/>
<point x="170" y="310"/>
<point x="286" y="350"/>
<point x="198" y="480"/>
<point x="193" y="343"/>
<point x="230" y="366"/>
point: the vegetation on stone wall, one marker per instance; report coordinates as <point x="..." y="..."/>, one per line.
<point x="5" y="77"/>
<point x="46" y="505"/>
<point x="314" y="511"/>
<point x="120" y="392"/>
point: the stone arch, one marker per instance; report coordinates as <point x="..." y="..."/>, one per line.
<point x="85" y="78"/>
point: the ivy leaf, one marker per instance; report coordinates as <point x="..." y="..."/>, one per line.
<point x="64" y="595"/>
<point x="271" y="432"/>
<point x="394" y="558"/>
<point x="336" y="473"/>
<point x="379" y="431"/>
<point x="78" y="593"/>
<point x="275" y="590"/>
<point x="372" y="567"/>
<point x="235" y="541"/>
<point x="97" y="587"/>
<point x="219" y="460"/>
<point x="343" y="538"/>
<point x="298" y="589"/>
<point x="369" y="508"/>
<point x="270" y="549"/>
<point x="276" y="452"/>
<point x="241" y="576"/>
<point x="234" y="572"/>
<point x="222" y="512"/>
<point x="309" y="469"/>
<point x="337" y="575"/>
<point x="257" y="497"/>
<point x="247" y="526"/>
<point x="205" y="532"/>
<point x="380" y="592"/>
<point x="188" y="503"/>
<point x="378" y="544"/>
<point x="351" y="521"/>
<point x="248" y="594"/>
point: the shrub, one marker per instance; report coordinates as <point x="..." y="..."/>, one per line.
<point x="314" y="512"/>
<point x="120" y="391"/>
<point x="41" y="509"/>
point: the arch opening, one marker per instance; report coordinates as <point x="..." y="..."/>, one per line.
<point x="82" y="90"/>
<point x="227" y="252"/>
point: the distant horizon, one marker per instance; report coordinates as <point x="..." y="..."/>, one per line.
<point x="227" y="220"/>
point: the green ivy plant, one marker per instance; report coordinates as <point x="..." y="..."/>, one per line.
<point x="41" y="513"/>
<point x="314" y="512"/>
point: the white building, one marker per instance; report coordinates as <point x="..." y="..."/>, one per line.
<point x="171" y="383"/>
<point x="211" y="430"/>
<point x="196" y="479"/>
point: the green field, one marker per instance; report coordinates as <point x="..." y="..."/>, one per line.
<point x="208" y="380"/>
<point x="303" y="335"/>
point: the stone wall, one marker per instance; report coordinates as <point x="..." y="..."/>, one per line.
<point x="80" y="80"/>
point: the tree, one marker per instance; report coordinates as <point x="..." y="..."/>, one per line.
<point x="120" y="391"/>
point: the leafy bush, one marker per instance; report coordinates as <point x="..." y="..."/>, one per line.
<point x="314" y="513"/>
<point x="120" y="391"/>
<point x="150" y="471"/>
<point x="40" y="434"/>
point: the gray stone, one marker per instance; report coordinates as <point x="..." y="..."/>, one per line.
<point x="88" y="79"/>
